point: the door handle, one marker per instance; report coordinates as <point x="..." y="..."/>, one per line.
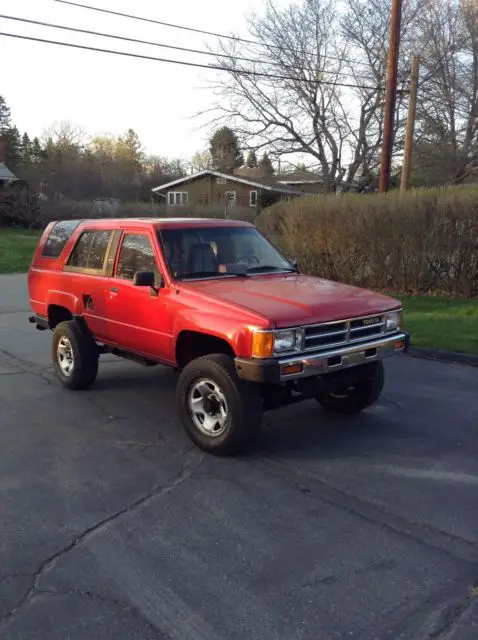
<point x="114" y="290"/>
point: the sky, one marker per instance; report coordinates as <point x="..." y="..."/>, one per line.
<point x="102" y="93"/>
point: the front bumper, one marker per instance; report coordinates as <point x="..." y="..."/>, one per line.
<point x="306" y="365"/>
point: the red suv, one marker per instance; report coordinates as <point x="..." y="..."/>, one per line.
<point x="216" y="301"/>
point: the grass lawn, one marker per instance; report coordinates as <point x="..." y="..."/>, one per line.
<point x="16" y="249"/>
<point x="442" y="323"/>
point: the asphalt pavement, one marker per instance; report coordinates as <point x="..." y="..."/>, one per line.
<point x="112" y="525"/>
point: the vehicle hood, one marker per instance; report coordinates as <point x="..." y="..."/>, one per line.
<point x="296" y="299"/>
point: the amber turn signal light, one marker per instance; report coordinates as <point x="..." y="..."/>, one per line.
<point x="291" y="369"/>
<point x="400" y="344"/>
<point x="262" y="344"/>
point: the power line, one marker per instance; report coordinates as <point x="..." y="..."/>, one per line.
<point x="165" y="46"/>
<point x="243" y="72"/>
<point x="448" y="102"/>
<point x="194" y="30"/>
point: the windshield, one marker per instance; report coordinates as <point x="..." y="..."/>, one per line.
<point x="213" y="252"/>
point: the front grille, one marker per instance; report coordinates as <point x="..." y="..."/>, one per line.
<point x="337" y="334"/>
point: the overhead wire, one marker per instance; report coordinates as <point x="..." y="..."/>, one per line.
<point x="211" y="67"/>
<point x="200" y="31"/>
<point x="168" y="46"/>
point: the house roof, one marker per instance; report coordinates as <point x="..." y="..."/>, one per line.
<point x="298" y="177"/>
<point x="5" y="173"/>
<point x="262" y="183"/>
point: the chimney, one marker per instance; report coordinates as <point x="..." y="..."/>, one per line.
<point x="3" y="144"/>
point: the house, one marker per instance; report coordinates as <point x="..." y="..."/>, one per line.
<point x="15" y="195"/>
<point x="6" y="176"/>
<point x="246" y="190"/>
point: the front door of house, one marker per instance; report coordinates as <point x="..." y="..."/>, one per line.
<point x="230" y="201"/>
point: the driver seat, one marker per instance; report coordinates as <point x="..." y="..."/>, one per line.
<point x="202" y="258"/>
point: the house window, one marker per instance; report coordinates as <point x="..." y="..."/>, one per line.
<point x="221" y="180"/>
<point x="253" y="198"/>
<point x="177" y="198"/>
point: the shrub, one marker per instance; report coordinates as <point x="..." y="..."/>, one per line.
<point x="424" y="241"/>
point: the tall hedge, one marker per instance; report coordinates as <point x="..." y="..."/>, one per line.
<point x="424" y="241"/>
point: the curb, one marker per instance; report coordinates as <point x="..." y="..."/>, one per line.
<point x="444" y="356"/>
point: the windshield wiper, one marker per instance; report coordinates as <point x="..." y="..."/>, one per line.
<point x="209" y="274"/>
<point x="268" y="267"/>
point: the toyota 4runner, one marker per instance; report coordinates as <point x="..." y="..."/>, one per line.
<point x="216" y="301"/>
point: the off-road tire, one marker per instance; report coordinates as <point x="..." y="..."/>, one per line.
<point x="244" y="405"/>
<point x="357" y="397"/>
<point x="85" y="356"/>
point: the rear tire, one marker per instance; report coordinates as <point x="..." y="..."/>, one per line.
<point x="219" y="411"/>
<point x="357" y="397"/>
<point x="75" y="356"/>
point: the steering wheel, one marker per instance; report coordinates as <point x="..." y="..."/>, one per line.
<point x="249" y="259"/>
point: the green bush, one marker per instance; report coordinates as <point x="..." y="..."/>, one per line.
<point x="424" y="241"/>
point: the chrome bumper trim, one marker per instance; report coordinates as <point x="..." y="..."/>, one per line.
<point x="324" y="362"/>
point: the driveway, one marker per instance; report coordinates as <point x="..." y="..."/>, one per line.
<point x="113" y="526"/>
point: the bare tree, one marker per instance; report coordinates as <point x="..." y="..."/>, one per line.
<point x="448" y="97"/>
<point x="64" y="134"/>
<point x="305" y="108"/>
<point x="201" y="160"/>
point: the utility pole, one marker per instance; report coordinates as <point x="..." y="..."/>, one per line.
<point x="412" y="112"/>
<point x="392" y="70"/>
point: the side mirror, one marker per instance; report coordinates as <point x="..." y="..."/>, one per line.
<point x="144" y="279"/>
<point x="148" y="279"/>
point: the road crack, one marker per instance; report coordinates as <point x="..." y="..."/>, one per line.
<point x="463" y="549"/>
<point x="449" y="618"/>
<point x="186" y="472"/>
<point x="25" y="366"/>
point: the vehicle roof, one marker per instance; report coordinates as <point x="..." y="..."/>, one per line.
<point x="163" y="223"/>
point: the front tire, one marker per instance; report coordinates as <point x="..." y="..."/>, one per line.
<point x="219" y="411"/>
<point x="75" y="356"/>
<point x="357" y="397"/>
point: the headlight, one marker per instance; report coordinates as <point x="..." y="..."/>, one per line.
<point x="285" y="341"/>
<point x="288" y="340"/>
<point x="393" y="321"/>
<point x="266" y="344"/>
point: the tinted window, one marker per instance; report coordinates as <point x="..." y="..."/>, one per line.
<point x="59" y="236"/>
<point x="90" y="250"/>
<point x="136" y="255"/>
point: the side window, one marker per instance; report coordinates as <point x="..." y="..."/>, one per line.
<point x="90" y="250"/>
<point x="136" y="254"/>
<point x="59" y="236"/>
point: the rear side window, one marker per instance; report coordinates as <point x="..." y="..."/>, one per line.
<point x="90" y="250"/>
<point x="59" y="236"/>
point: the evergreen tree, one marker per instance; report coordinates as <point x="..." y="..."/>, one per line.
<point x="13" y="149"/>
<point x="266" y="164"/>
<point x="251" y="161"/>
<point x="37" y="152"/>
<point x="5" y="117"/>
<point x="26" y="152"/>
<point x="225" y="152"/>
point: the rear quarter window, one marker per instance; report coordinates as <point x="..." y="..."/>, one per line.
<point x="59" y="235"/>
<point x="90" y="250"/>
